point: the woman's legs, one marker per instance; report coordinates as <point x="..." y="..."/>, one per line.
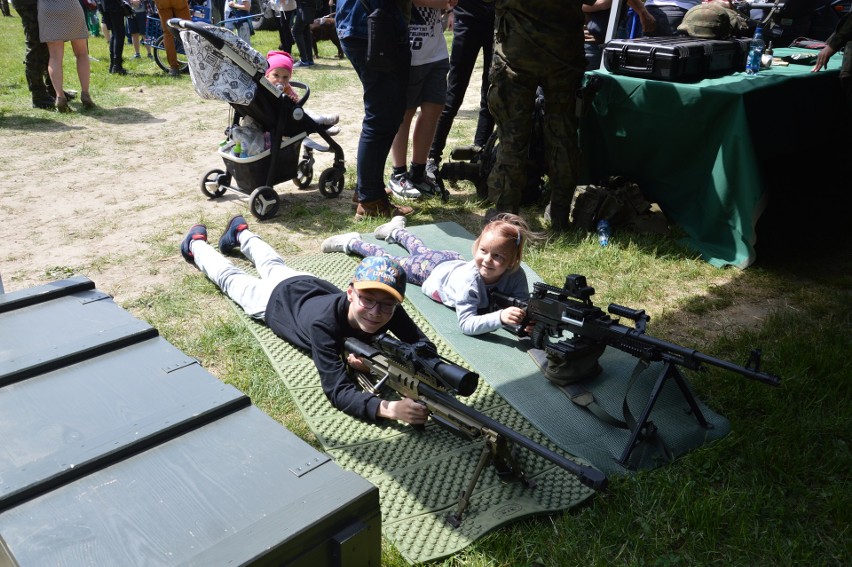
<point x="56" y="50"/>
<point x="81" y="55"/>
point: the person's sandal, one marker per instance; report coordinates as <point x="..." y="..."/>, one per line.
<point x="87" y="101"/>
<point x="62" y="104"/>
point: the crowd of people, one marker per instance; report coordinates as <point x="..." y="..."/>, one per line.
<point x="529" y="48"/>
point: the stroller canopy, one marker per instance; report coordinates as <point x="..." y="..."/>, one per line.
<point x="231" y="73"/>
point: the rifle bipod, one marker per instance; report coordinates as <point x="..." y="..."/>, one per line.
<point x="497" y="449"/>
<point x="670" y="370"/>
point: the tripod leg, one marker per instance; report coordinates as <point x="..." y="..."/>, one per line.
<point x="690" y="399"/>
<point x="643" y="419"/>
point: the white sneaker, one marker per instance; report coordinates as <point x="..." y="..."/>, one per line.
<point x="401" y="186"/>
<point x="327" y="119"/>
<point x="385" y="231"/>
<point x="340" y="242"/>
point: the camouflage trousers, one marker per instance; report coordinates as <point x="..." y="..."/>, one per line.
<point x="523" y="60"/>
<point x="36" y="55"/>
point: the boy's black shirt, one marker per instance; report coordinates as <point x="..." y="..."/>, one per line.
<point x="312" y="314"/>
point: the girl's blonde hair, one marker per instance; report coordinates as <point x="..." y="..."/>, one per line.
<point x="511" y="228"/>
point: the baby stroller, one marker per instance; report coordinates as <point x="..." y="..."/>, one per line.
<point x="223" y="67"/>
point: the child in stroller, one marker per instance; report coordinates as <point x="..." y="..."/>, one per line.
<point x="279" y="72"/>
<point x="224" y="67"/>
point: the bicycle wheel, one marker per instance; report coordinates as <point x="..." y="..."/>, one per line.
<point x="161" y="58"/>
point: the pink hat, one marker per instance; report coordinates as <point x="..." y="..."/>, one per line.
<point x="279" y="60"/>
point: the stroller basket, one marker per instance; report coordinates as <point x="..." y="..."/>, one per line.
<point x="252" y="172"/>
<point x="224" y="67"/>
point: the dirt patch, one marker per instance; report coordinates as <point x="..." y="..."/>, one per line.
<point x="109" y="194"/>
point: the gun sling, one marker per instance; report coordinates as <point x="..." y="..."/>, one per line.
<point x="583" y="398"/>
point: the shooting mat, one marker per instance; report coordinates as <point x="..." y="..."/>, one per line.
<point x="419" y="473"/>
<point x="502" y="361"/>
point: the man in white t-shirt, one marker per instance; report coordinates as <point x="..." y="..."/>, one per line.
<point x="427" y="90"/>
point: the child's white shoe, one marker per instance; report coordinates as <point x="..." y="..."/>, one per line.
<point x="385" y="231"/>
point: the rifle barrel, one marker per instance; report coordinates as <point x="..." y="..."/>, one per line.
<point x="632" y="340"/>
<point x="589" y="476"/>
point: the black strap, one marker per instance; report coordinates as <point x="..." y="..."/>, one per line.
<point x="649" y="436"/>
<point x="585" y="399"/>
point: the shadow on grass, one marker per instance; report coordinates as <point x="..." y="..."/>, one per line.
<point x="28" y="124"/>
<point x="117" y="115"/>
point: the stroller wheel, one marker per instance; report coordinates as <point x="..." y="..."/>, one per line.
<point x="305" y="173"/>
<point x="264" y="202"/>
<point x="211" y="184"/>
<point x="331" y="182"/>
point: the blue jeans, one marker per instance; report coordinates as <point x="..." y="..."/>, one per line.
<point x="384" y="106"/>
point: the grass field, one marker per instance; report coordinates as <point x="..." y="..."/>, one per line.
<point x="776" y="491"/>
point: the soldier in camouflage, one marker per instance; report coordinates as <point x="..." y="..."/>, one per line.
<point x="36" y="56"/>
<point x="537" y="43"/>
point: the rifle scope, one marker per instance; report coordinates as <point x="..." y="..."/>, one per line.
<point x="456" y="378"/>
<point x="424" y="357"/>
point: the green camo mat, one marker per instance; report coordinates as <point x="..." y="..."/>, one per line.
<point x="501" y="360"/>
<point x="419" y="473"/>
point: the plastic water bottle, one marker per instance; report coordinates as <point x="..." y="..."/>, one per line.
<point x="755" y="53"/>
<point x="603" y="231"/>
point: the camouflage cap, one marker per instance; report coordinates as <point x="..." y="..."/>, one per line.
<point x="382" y="273"/>
<point x="708" y="21"/>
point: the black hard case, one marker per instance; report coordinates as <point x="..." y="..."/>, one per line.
<point x="677" y="58"/>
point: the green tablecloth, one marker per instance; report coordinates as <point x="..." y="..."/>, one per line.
<point x="702" y="150"/>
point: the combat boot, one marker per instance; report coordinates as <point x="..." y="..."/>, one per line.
<point x="45" y="102"/>
<point x="558" y="216"/>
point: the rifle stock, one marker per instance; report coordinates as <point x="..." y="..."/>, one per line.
<point x="401" y="368"/>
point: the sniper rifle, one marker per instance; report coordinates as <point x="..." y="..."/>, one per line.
<point x="418" y="372"/>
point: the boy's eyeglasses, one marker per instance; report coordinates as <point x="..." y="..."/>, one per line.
<point x="368" y="304"/>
